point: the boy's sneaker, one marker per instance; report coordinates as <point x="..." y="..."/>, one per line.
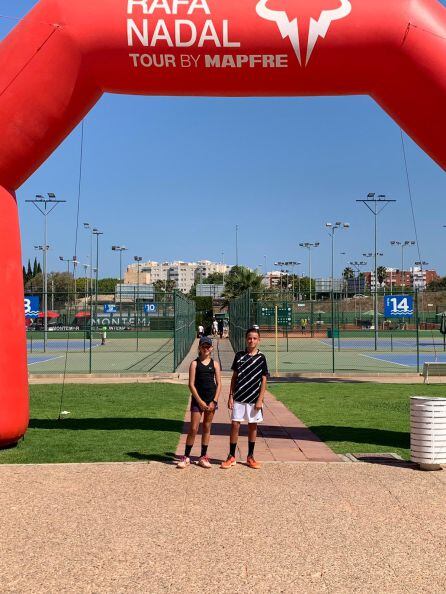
<point x="253" y="463"/>
<point x="204" y="462"/>
<point x="230" y="461"/>
<point x="183" y="462"/>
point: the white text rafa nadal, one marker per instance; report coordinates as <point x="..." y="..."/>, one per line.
<point x="147" y="27"/>
<point x="151" y="30"/>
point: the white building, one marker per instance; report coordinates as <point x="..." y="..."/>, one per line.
<point x="182" y="273"/>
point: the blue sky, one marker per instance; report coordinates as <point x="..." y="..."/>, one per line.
<point x="171" y="177"/>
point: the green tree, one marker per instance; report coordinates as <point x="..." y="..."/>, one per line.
<point x="29" y="272"/>
<point x="215" y="278"/>
<point x="164" y="289"/>
<point x="35" y="268"/>
<point x="348" y="273"/>
<point x="239" y="279"/>
<point x="439" y="283"/>
<point x="381" y="273"/>
<point x="107" y="285"/>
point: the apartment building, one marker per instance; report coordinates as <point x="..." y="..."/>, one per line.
<point x="413" y="278"/>
<point x="182" y="273"/>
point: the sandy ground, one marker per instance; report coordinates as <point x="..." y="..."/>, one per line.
<point x="290" y="527"/>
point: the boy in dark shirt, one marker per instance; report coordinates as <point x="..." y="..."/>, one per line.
<point x="246" y="394"/>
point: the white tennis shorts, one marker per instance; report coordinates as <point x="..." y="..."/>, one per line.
<point x="246" y="412"/>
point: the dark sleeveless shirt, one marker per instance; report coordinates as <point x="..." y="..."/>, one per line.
<point x="205" y="380"/>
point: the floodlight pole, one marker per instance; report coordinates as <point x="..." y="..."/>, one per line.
<point x="120" y="249"/>
<point x="138" y="261"/>
<point x="97" y="233"/>
<point x="41" y="204"/>
<point x="379" y="204"/>
<point x="308" y="246"/>
<point x="236" y="245"/>
<point x="332" y="227"/>
<point x="357" y="265"/>
<point x="403" y="244"/>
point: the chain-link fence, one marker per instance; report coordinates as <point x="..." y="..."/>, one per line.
<point x="184" y="327"/>
<point x="112" y="333"/>
<point x="239" y="320"/>
<point x="341" y="335"/>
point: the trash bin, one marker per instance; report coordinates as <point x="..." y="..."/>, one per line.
<point x="335" y="333"/>
<point x="428" y="432"/>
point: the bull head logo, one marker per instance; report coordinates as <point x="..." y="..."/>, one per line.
<point x="290" y="28"/>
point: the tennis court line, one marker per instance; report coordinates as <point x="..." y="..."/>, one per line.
<point x="46" y="360"/>
<point x="384" y="360"/>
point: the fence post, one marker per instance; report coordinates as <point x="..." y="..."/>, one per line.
<point x="417" y="330"/>
<point x="276" y="332"/>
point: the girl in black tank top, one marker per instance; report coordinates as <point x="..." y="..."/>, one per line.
<point x="205" y="386"/>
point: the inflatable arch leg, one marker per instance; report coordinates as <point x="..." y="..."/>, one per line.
<point x="14" y="407"/>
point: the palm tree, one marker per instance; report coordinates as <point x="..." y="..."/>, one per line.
<point x="347" y="274"/>
<point x="381" y="273"/>
<point x="239" y="279"/>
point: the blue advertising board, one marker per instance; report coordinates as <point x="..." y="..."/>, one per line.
<point x="151" y="308"/>
<point x="398" y="306"/>
<point x="32" y="306"/>
<point x="110" y="308"/>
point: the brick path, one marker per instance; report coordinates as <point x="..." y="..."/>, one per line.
<point x="282" y="437"/>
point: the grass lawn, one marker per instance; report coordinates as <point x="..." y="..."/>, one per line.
<point x="356" y="417"/>
<point x="126" y="422"/>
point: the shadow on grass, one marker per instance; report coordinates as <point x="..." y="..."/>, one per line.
<point x="109" y="424"/>
<point x="296" y="379"/>
<point x="381" y="437"/>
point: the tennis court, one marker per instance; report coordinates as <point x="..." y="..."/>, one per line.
<point x="123" y="353"/>
<point x="387" y="343"/>
<point x="352" y="354"/>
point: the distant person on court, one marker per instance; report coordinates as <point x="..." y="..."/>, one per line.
<point x="200" y="332"/>
<point x="246" y="395"/>
<point x="220" y="326"/>
<point x="303" y="325"/>
<point x="103" y="335"/>
<point x="205" y="387"/>
<point x="214" y="327"/>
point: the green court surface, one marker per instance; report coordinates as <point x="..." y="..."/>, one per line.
<point x="354" y="352"/>
<point x="118" y="355"/>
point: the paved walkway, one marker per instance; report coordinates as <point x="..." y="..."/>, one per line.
<point x="150" y="528"/>
<point x="282" y="437"/>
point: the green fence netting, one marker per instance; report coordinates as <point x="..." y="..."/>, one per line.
<point x="239" y="320"/>
<point x="105" y="333"/>
<point x="316" y="336"/>
<point x="184" y="328"/>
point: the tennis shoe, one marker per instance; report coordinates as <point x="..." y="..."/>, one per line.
<point x="204" y="462"/>
<point x="251" y="463"/>
<point x="183" y="462"/>
<point x="230" y="461"/>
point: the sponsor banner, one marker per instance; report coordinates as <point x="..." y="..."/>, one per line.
<point x="398" y="306"/>
<point x="110" y="308"/>
<point x="32" y="306"/>
<point x="151" y="308"/>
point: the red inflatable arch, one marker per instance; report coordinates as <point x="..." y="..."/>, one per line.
<point x="65" y="54"/>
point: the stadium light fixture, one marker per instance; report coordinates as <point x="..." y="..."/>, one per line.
<point x="333" y="227"/>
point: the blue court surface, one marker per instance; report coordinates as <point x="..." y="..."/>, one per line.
<point x="408" y="359"/>
<point x="33" y="359"/>
<point x="385" y="344"/>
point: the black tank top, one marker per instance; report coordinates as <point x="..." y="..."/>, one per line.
<point x="205" y="380"/>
